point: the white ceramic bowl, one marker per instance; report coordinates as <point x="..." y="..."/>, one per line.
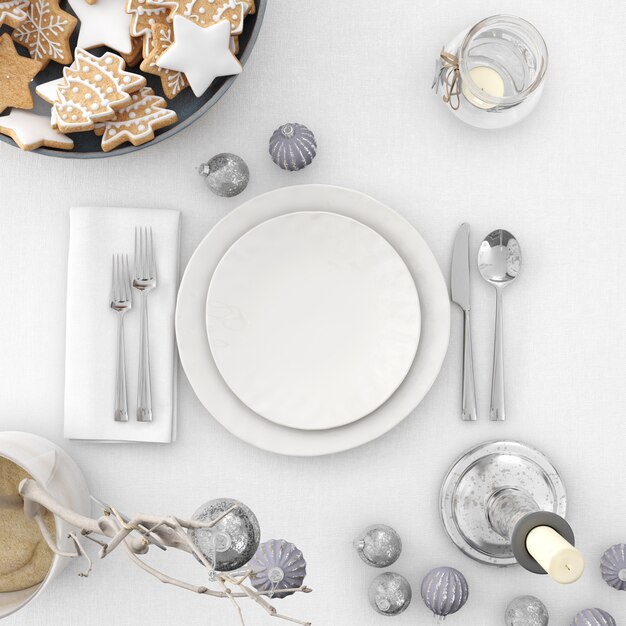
<point x="54" y="469"/>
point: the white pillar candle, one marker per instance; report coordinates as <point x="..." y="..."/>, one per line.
<point x="488" y="81"/>
<point x="561" y="560"/>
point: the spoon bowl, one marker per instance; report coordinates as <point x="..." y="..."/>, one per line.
<point x="499" y="262"/>
<point x="499" y="258"/>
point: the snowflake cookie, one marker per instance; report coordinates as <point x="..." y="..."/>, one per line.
<point x="137" y="121"/>
<point x="46" y="32"/>
<point x="92" y="90"/>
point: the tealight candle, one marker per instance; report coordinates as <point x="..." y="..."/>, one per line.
<point x="559" y="558"/>
<point x="488" y="81"/>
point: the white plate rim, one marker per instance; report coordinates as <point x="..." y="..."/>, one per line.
<point x="193" y="345"/>
<point x="418" y="321"/>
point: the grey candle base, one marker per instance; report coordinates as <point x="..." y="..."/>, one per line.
<point x="490" y="489"/>
<point x="525" y="525"/>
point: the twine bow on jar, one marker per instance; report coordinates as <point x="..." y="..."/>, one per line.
<point x="450" y="75"/>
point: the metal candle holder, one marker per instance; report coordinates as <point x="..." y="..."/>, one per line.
<point x="495" y="495"/>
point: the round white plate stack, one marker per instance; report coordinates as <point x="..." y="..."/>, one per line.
<point x="312" y="319"/>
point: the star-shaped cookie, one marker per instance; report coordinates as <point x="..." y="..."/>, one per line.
<point x="16" y="72"/>
<point x="13" y="12"/>
<point x="46" y="32"/>
<point x="172" y="82"/>
<point x="137" y="121"/>
<point x="202" y="54"/>
<point x="104" y="23"/>
<point x="31" y="131"/>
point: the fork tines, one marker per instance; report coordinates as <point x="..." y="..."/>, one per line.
<point x="120" y="280"/>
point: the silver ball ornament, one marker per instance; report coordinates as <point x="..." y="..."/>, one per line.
<point x="526" y="611"/>
<point x="293" y="146"/>
<point x="378" y="545"/>
<point x="593" y="617"/>
<point x="276" y="566"/>
<point x="390" y="594"/>
<point x="225" y="174"/>
<point x="613" y="566"/>
<point x="232" y="542"/>
<point x="444" y="591"/>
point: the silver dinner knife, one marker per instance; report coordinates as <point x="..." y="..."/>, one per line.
<point x="460" y="292"/>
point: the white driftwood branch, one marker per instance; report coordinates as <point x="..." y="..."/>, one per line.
<point x="137" y="535"/>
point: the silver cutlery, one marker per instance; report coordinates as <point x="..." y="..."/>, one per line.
<point x="121" y="302"/>
<point x="460" y="293"/>
<point x="144" y="281"/>
<point x="499" y="262"/>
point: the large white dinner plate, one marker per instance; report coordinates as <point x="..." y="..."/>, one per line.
<point x="193" y="343"/>
<point x="313" y="319"/>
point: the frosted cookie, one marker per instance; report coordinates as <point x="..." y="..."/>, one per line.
<point x="145" y="15"/>
<point x="13" y="12"/>
<point x="208" y="12"/>
<point x="31" y="131"/>
<point x="16" y="72"/>
<point x="137" y="121"/>
<point x="93" y="89"/>
<point x="46" y="32"/>
<point x="202" y="54"/>
<point x="48" y="91"/>
<point x="172" y="82"/>
<point x="104" y="23"/>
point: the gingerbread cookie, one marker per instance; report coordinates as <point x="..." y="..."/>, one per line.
<point x="208" y="12"/>
<point x="144" y="15"/>
<point x="136" y="54"/>
<point x="31" y="131"/>
<point x="202" y="54"/>
<point x="137" y="121"/>
<point x="93" y="89"/>
<point x="16" y="72"/>
<point x="46" y="32"/>
<point x="13" y="12"/>
<point x="104" y="23"/>
<point x="172" y="82"/>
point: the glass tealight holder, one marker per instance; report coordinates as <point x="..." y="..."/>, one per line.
<point x="492" y="75"/>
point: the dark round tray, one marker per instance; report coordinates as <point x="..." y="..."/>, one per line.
<point x="187" y="106"/>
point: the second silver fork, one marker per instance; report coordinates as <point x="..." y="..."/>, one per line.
<point x="144" y="281"/>
<point x="121" y="301"/>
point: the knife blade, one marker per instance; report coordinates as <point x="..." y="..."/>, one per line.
<point x="460" y="274"/>
<point x="460" y="293"/>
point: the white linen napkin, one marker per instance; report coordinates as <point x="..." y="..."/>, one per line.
<point x="91" y="335"/>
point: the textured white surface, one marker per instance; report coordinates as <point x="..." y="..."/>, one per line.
<point x="358" y="74"/>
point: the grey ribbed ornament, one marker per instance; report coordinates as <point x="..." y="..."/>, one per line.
<point x="277" y="565"/>
<point x="526" y="611"/>
<point x="444" y="591"/>
<point x="232" y="542"/>
<point x="379" y="545"/>
<point x="390" y="594"/>
<point x="593" y="617"/>
<point x="225" y="174"/>
<point x="293" y="146"/>
<point x="613" y="566"/>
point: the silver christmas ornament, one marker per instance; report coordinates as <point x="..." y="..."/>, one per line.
<point x="526" y="611"/>
<point x="444" y="591"/>
<point x="613" y="566"/>
<point x="390" y="594"/>
<point x="379" y="545"/>
<point x="277" y="565"/>
<point x="232" y="542"/>
<point x="293" y="146"/>
<point x="593" y="617"/>
<point x="225" y="174"/>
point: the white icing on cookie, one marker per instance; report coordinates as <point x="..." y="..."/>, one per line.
<point x="202" y="54"/>
<point x="31" y="131"/>
<point x="104" y="23"/>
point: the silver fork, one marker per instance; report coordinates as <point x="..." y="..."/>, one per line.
<point x="144" y="282"/>
<point x="121" y="301"/>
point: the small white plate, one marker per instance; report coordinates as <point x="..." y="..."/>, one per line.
<point x="313" y="320"/>
<point x="193" y="343"/>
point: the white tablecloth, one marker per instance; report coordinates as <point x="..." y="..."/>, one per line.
<point x="358" y="73"/>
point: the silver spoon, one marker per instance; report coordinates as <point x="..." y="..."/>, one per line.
<point x="499" y="262"/>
